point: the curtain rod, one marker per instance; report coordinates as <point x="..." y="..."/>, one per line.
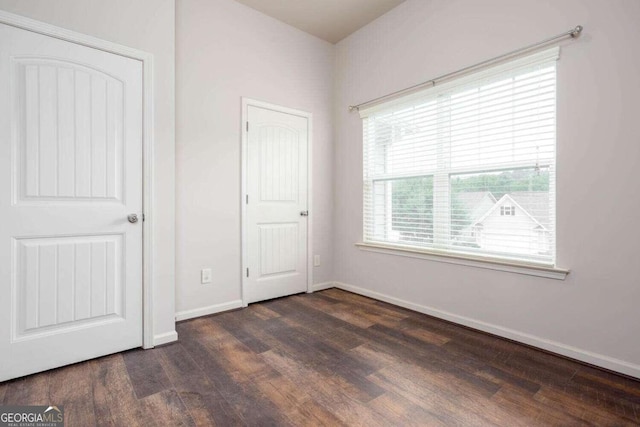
<point x="573" y="33"/>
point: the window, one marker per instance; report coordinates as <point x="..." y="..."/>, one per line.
<point x="507" y="210"/>
<point x="467" y="167"/>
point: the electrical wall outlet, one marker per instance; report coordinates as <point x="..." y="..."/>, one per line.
<point x="205" y="276"/>
<point x="316" y="260"/>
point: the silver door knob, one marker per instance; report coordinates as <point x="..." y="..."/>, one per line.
<point x="133" y="218"/>
<point x="304" y="213"/>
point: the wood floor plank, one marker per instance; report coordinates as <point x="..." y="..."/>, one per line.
<point x="583" y="410"/>
<point x="314" y="325"/>
<point x="322" y="295"/>
<point x="476" y="343"/>
<point x="341" y="295"/>
<point x="234" y="324"/>
<point x="446" y="383"/>
<point x="446" y="411"/>
<point x="372" y="313"/>
<point x="427" y="336"/>
<point x="209" y="410"/>
<point x="502" y="377"/>
<point x="262" y="311"/>
<point x="430" y="357"/>
<point x="339" y="337"/>
<point x="296" y="404"/>
<point x="539" y="368"/>
<point x="405" y="412"/>
<point x="317" y="301"/>
<point x="115" y="402"/>
<point x="204" y="402"/>
<point x="342" y="312"/>
<point x="14" y="391"/>
<point x="306" y="316"/>
<point x="398" y="343"/>
<point x="487" y="351"/>
<point x="599" y="376"/>
<point x="598" y="398"/>
<point x="343" y="333"/>
<point x="31" y="390"/>
<point x="621" y="388"/>
<point x="233" y="354"/>
<point x="520" y="405"/>
<point x="3" y="390"/>
<point x="146" y="373"/>
<point x="325" y="359"/>
<point x="374" y="357"/>
<point x="167" y="409"/>
<point x="253" y="407"/>
<point x="330" y="392"/>
<point x="73" y="386"/>
<point x="356" y="314"/>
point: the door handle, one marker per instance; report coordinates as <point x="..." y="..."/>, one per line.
<point x="304" y="213"/>
<point x="133" y="218"/>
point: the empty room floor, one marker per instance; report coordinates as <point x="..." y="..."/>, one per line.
<point x="331" y="358"/>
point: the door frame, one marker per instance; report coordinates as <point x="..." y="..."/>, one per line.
<point x="45" y="29"/>
<point x="246" y="103"/>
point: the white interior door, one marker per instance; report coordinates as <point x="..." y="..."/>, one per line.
<point x="277" y="204"/>
<point x="70" y="174"/>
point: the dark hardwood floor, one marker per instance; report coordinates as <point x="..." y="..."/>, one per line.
<point x="331" y="358"/>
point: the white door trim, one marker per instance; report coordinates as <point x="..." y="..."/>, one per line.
<point x="246" y="102"/>
<point x="147" y="142"/>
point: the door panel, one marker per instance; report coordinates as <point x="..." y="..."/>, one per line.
<point x="278" y="248"/>
<point x="277" y="193"/>
<point x="63" y="282"/>
<point x="72" y="127"/>
<point x="279" y="161"/>
<point x="70" y="173"/>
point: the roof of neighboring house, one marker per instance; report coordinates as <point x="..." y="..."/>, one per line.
<point x="531" y="200"/>
<point x="536" y="203"/>
<point x="480" y="204"/>
<point x="473" y="202"/>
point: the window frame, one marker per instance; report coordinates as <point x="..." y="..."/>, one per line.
<point x="442" y="227"/>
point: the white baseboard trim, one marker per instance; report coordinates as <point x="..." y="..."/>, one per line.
<point x="165" y="338"/>
<point x="552" y="346"/>
<point x="322" y="286"/>
<point x="204" y="311"/>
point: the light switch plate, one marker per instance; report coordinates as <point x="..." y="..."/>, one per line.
<point x="205" y="276"/>
<point x="316" y="260"/>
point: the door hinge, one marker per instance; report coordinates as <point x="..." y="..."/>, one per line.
<point x="247" y="272"/>
<point x="247" y="126"/>
<point x="247" y="199"/>
<point x="143" y="218"/>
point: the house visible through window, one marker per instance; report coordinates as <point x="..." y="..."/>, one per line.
<point x="467" y="167"/>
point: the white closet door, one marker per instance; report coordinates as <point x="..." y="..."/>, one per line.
<point x="70" y="175"/>
<point x="277" y="204"/>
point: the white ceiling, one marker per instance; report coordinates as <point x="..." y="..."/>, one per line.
<point x="331" y="20"/>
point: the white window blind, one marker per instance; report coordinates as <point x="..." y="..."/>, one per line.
<point x="467" y="167"/>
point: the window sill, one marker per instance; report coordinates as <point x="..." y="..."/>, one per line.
<point x="468" y="260"/>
